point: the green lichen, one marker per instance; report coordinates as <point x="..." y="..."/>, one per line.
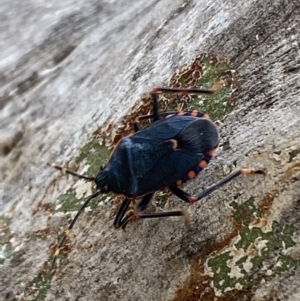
<point x="221" y="270"/>
<point x="287" y="233"/>
<point x="205" y="72"/>
<point x="245" y="212"/>
<point x="37" y="291"/>
<point x="67" y="201"/>
<point x="293" y="154"/>
<point x="215" y="105"/>
<point x="258" y="250"/>
<point x="285" y="263"/>
<point x="93" y="155"/>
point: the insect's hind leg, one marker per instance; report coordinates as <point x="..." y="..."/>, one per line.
<point x="137" y="125"/>
<point x="160" y="90"/>
<point x="185" y="196"/>
<point x="155" y="105"/>
<point x="154" y="116"/>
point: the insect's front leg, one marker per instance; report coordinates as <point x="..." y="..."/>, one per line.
<point x="71" y="225"/>
<point x="143" y="205"/>
<point x="121" y="218"/>
<point x="124" y="216"/>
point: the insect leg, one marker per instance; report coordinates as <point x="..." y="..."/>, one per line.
<point x="226" y="180"/>
<point x="161" y="214"/>
<point x="132" y="214"/>
<point x="121" y="218"/>
<point x="73" y="173"/>
<point x="185" y="196"/>
<point x="155" y="104"/>
<point x="154" y="116"/>
<point x="161" y="90"/>
<point x="192" y="199"/>
<point x="155" y="111"/>
<point x="67" y="232"/>
<point x="143" y="205"/>
<point x="136" y="124"/>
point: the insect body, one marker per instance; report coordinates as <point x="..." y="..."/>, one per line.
<point x="167" y="153"/>
<point x="159" y="155"/>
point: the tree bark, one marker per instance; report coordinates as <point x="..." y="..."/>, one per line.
<point x="68" y="68"/>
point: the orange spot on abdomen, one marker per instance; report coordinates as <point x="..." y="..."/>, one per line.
<point x="212" y="152"/>
<point x="191" y="174"/>
<point x="202" y="164"/>
<point x="179" y="182"/>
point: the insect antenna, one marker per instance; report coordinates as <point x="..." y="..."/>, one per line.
<point x="73" y="173"/>
<point x="68" y="231"/>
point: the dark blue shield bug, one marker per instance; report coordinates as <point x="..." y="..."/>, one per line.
<point x="174" y="148"/>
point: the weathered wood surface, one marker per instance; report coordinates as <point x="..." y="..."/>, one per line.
<point x="67" y="67"/>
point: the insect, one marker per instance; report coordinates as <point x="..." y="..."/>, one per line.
<point x="174" y="148"/>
